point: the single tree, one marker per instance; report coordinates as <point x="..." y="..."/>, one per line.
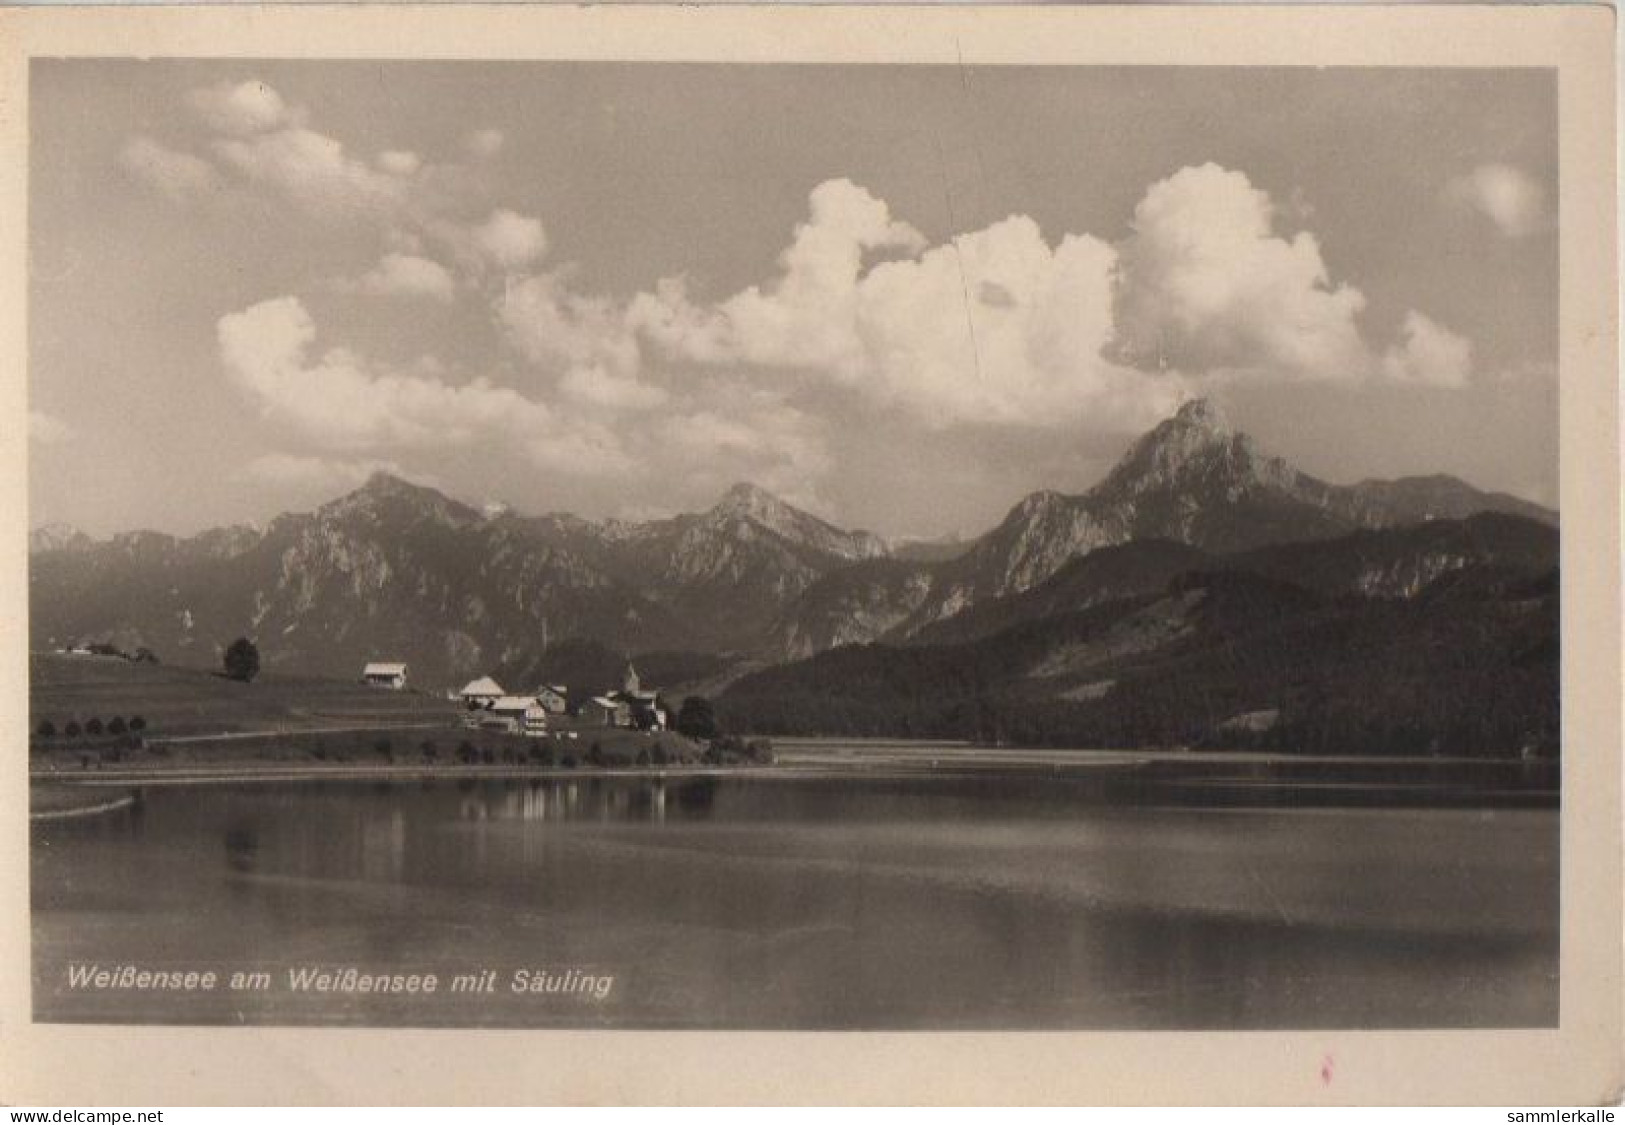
<point x="137" y="723"/>
<point x="116" y="725"/>
<point x="93" y="727"/>
<point x="242" y="660"/>
<point x="72" y="729"/>
<point x="696" y="719"/>
<point x="47" y="729"/>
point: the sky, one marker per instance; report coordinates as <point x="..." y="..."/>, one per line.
<point x="899" y="296"/>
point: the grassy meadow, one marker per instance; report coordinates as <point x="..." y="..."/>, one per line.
<point x="186" y="701"/>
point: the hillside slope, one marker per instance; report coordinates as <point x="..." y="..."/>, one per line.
<point x="1467" y="666"/>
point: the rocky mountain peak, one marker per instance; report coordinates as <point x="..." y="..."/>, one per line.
<point x="1205" y="414"/>
<point x="749" y="501"/>
<point x="1196" y="443"/>
<point x="386" y="494"/>
<point x="383" y="483"/>
<point x="751" y="504"/>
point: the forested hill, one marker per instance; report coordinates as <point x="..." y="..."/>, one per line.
<point x="1466" y="666"/>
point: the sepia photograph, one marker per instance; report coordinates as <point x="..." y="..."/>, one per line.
<point x="667" y="545"/>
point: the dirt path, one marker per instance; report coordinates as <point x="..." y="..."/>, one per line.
<point x="235" y="736"/>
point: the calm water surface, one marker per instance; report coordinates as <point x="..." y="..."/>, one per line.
<point x="1225" y="897"/>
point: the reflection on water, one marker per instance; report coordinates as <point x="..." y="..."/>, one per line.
<point x="566" y="800"/>
<point x="1116" y="898"/>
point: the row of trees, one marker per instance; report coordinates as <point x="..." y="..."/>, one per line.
<point x="92" y="728"/>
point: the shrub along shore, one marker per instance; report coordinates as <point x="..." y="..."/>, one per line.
<point x="411" y="747"/>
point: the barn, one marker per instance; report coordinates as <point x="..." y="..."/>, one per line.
<point x="385" y="674"/>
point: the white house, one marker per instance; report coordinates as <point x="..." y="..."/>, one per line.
<point x="518" y="714"/>
<point x="482" y="692"/>
<point x="385" y="674"/>
<point x="534" y="724"/>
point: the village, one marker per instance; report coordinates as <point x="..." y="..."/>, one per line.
<point x="489" y="706"/>
<point x="96" y="708"/>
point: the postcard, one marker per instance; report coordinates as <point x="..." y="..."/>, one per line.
<point x="935" y="554"/>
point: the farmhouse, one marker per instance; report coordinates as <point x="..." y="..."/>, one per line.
<point x="385" y="675"/>
<point x="534" y="723"/>
<point x="482" y="692"/>
<point x="602" y="711"/>
<point x="516" y="714"/>
<point x="554" y="698"/>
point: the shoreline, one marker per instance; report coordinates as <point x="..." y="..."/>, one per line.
<point x="206" y="773"/>
<point x="905" y="760"/>
<point x="74" y="812"/>
<point x="794" y="756"/>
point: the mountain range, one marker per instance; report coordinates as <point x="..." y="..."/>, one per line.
<point x="399" y="571"/>
<point x="1192" y="480"/>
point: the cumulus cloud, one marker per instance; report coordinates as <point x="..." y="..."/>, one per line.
<point x="1001" y="326"/>
<point x="258" y="139"/>
<point x="178" y="175"/>
<point x="482" y="144"/>
<point x="341" y="401"/>
<point x="1004" y="326"/>
<point x="997" y="327"/>
<point x="994" y="326"/>
<point x="399" y="163"/>
<point x="242" y="109"/>
<point x="806" y="316"/>
<point x="314" y="172"/>
<point x="47" y="429"/>
<point x="1208" y="286"/>
<point x="406" y="275"/>
<point x="600" y="426"/>
<point x="594" y="386"/>
<point x="557" y="328"/>
<point x="509" y="240"/>
<point x="1509" y="197"/>
<point x="1428" y="353"/>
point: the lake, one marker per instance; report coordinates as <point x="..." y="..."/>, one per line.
<point x="1126" y="893"/>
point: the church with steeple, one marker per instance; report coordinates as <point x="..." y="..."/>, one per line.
<point x="642" y="705"/>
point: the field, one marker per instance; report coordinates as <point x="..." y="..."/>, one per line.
<point x="184" y="701"/>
